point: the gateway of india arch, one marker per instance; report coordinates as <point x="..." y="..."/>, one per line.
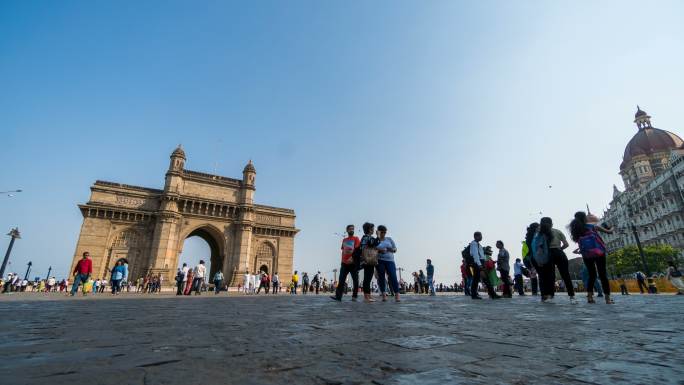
<point x="149" y="226"/>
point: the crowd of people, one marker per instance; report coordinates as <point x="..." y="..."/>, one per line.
<point x="543" y="252"/>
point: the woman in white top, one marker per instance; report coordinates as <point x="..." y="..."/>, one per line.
<point x="386" y="249"/>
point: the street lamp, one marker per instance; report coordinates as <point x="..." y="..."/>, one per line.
<point x="28" y="270"/>
<point x="48" y="274"/>
<point x="641" y="250"/>
<point x="635" y="233"/>
<point x="14" y="233"/>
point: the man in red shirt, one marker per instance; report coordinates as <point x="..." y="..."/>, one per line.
<point x="350" y="247"/>
<point x="82" y="272"/>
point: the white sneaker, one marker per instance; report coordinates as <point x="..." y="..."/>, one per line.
<point x="573" y="301"/>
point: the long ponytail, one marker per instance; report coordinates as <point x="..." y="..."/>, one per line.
<point x="578" y="225"/>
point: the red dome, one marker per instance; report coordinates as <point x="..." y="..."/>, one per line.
<point x="650" y="140"/>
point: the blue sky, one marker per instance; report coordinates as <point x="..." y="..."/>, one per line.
<point x="433" y="118"/>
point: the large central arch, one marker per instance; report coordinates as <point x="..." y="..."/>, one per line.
<point x="216" y="242"/>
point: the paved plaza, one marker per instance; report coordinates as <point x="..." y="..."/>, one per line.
<point x="312" y="340"/>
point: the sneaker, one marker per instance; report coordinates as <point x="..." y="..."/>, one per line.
<point x="573" y="301"/>
<point x="335" y="298"/>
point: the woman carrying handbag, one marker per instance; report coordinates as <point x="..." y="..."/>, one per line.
<point x="369" y="259"/>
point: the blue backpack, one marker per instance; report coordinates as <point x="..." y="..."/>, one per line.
<point x="540" y="249"/>
<point x="591" y="245"/>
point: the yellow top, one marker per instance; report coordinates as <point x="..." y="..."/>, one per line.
<point x="295" y="278"/>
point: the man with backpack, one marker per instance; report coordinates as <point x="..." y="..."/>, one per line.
<point x="317" y="281"/>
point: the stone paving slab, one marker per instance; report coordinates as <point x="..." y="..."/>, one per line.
<point x="448" y="339"/>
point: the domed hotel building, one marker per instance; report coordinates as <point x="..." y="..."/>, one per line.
<point x="652" y="170"/>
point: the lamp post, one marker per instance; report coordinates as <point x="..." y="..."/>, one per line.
<point x="14" y="233"/>
<point x="28" y="270"/>
<point x="641" y="250"/>
<point x="49" y="271"/>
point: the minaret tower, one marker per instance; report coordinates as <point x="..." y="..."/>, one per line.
<point x="248" y="179"/>
<point x="246" y="221"/>
<point x="642" y="119"/>
<point x="168" y="218"/>
<point x="176" y="167"/>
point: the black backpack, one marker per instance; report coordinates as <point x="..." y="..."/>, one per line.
<point x="466" y="256"/>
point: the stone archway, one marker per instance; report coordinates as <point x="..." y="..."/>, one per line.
<point x="265" y="257"/>
<point x="219" y="209"/>
<point x="216" y="243"/>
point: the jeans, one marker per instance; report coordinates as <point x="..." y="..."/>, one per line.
<point x="534" y="285"/>
<point x="180" y="285"/>
<point x="389" y="268"/>
<point x="344" y="270"/>
<point x="197" y="285"/>
<point x="466" y="286"/>
<point x="594" y="266"/>
<point x="78" y="279"/>
<point x="519" y="284"/>
<point x="368" y="271"/>
<point x="598" y="288"/>
<point x="431" y="284"/>
<point x="116" y="284"/>
<point x="275" y="288"/>
<point x="294" y="289"/>
<point x="475" y="280"/>
<point x="217" y="286"/>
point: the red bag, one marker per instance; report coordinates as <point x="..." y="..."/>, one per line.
<point x="489" y="264"/>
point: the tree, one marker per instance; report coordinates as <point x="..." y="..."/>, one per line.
<point x="628" y="261"/>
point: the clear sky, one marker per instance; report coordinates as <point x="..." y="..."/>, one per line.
<point x="433" y="118"/>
